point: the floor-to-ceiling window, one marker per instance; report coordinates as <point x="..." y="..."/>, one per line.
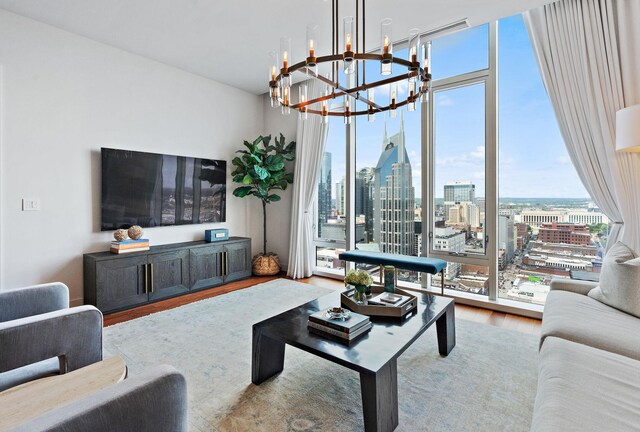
<point x="538" y="185"/>
<point x="331" y="223"/>
<point x="461" y="140"/>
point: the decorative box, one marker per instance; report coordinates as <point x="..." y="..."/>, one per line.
<point x="217" y="234"/>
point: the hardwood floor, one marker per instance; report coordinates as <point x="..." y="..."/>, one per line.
<point x="470" y="313"/>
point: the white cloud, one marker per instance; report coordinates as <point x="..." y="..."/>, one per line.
<point x="564" y="160"/>
<point x="473" y="158"/>
<point x="444" y="101"/>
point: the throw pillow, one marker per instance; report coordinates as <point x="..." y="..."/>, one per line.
<point x="620" y="280"/>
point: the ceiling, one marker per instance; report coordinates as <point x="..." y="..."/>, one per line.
<point x="229" y="41"/>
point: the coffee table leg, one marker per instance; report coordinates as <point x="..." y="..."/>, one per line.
<point x="446" y="329"/>
<point x="267" y="357"/>
<point x="380" y="398"/>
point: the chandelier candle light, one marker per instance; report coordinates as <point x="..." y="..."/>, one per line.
<point x="417" y="66"/>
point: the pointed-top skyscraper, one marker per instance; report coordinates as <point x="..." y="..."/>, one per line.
<point x="394" y="197"/>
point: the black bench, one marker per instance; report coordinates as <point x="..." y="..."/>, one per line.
<point x="403" y="262"/>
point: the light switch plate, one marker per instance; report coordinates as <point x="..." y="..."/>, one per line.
<point x="30" y="204"/>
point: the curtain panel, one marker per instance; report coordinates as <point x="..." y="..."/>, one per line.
<point x="587" y="51"/>
<point x="311" y="140"/>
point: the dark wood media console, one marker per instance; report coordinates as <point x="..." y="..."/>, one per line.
<point x="115" y="282"/>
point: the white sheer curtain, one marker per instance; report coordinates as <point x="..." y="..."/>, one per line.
<point x="587" y="51"/>
<point x="311" y="139"/>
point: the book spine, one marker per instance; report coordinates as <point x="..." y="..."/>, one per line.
<point x="129" y="245"/>
<point x="337" y="326"/>
<point x="329" y="330"/>
<point x="130" y="241"/>
<point x="124" y="251"/>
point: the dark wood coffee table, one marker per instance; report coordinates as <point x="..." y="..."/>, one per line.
<point x="373" y="355"/>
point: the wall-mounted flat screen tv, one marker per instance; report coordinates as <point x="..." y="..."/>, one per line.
<point x="150" y="189"/>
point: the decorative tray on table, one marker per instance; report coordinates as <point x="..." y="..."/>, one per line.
<point x="381" y="303"/>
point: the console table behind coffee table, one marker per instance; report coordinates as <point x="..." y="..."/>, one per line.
<point x="374" y="355"/>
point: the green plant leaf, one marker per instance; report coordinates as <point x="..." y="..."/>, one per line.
<point x="242" y="191"/>
<point x="274" y="198"/>
<point x="261" y="172"/>
<point x="247" y="179"/>
<point x="291" y="147"/>
<point x="250" y="146"/>
<point x="289" y="178"/>
<point x="266" y="140"/>
<point x="276" y="167"/>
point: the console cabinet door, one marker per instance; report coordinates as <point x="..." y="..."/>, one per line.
<point x="169" y="274"/>
<point x="238" y="260"/>
<point x="206" y="266"/>
<point x="120" y="283"/>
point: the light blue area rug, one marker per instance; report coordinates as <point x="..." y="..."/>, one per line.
<point x="487" y="383"/>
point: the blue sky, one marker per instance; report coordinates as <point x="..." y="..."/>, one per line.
<point x="533" y="161"/>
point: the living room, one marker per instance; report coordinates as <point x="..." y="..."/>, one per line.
<point x="507" y="129"/>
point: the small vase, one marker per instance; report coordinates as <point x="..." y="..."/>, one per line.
<point x="360" y="295"/>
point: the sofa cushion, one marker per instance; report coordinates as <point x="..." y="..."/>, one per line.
<point x="582" y="319"/>
<point x="620" y="280"/>
<point x="585" y="389"/>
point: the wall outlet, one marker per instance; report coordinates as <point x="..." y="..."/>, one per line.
<point x="30" y="204"/>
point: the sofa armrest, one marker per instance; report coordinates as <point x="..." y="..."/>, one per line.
<point x="154" y="401"/>
<point x="33" y="300"/>
<point x="73" y="335"/>
<point x="573" y="285"/>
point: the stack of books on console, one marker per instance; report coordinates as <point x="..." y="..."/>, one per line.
<point x="345" y="329"/>
<point x="129" y="245"/>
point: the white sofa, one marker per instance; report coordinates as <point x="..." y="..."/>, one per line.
<point x="589" y="364"/>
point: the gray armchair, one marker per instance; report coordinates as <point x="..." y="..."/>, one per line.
<point x="154" y="401"/>
<point x="40" y="335"/>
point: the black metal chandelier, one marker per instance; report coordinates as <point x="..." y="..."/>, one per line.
<point x="356" y="88"/>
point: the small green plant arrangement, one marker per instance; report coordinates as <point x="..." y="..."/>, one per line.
<point x="361" y="280"/>
<point x="358" y="277"/>
<point x="261" y="169"/>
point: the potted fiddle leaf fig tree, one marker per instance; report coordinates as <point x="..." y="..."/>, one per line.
<point x="262" y="170"/>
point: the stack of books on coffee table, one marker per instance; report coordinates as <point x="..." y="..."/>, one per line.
<point x="345" y="329"/>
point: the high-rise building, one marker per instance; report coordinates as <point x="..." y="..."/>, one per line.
<point x="364" y="200"/>
<point x="458" y="192"/>
<point x="447" y="239"/>
<point x="464" y="213"/>
<point x="340" y="196"/>
<point x="324" y="192"/>
<point x="394" y="197"/>
<point x="506" y="240"/>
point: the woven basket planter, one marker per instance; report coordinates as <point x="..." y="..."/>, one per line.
<point x="265" y="265"/>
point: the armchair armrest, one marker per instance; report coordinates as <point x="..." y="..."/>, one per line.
<point x="572" y="285"/>
<point x="154" y="401"/>
<point x="33" y="300"/>
<point x="73" y="335"/>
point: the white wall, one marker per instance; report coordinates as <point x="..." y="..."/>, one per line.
<point x="64" y="97"/>
<point x="278" y="213"/>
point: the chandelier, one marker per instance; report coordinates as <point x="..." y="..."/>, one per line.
<point x="348" y="56"/>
